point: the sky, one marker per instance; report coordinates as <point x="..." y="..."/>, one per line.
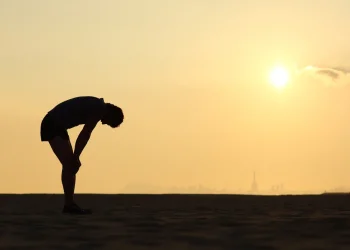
<point x="193" y="80"/>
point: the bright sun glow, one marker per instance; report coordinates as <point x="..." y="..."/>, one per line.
<point x="279" y="77"/>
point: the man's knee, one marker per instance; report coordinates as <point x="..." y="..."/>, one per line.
<point x="71" y="164"/>
<point x="70" y="169"/>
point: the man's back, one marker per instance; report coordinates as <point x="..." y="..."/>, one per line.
<point x="77" y="111"/>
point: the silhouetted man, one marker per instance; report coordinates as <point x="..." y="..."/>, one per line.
<point x="84" y="110"/>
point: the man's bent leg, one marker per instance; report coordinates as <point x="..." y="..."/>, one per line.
<point x="64" y="152"/>
<point x="70" y="165"/>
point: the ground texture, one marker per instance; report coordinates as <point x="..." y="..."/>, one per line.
<point x="177" y="222"/>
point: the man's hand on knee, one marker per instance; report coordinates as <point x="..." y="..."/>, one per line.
<point x="72" y="165"/>
<point x="76" y="164"/>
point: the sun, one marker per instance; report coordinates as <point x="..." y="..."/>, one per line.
<point x="279" y="77"/>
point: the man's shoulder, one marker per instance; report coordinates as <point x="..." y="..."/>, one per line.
<point x="80" y="101"/>
<point x="83" y="99"/>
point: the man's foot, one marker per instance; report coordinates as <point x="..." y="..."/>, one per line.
<point x="75" y="209"/>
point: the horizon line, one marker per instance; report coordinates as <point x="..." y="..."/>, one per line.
<point x="199" y="194"/>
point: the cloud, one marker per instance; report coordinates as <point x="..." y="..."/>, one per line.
<point x="333" y="74"/>
<point x="333" y="77"/>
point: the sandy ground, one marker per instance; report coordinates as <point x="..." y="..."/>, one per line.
<point x="177" y="222"/>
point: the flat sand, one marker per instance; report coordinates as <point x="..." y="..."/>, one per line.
<point x="177" y="222"/>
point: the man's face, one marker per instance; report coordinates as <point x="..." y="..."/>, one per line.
<point x="113" y="122"/>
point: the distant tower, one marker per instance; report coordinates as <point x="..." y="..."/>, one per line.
<point x="254" y="188"/>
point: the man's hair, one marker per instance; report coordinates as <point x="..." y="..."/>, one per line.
<point x="115" y="113"/>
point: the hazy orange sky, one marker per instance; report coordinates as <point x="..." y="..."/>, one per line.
<point x="192" y="79"/>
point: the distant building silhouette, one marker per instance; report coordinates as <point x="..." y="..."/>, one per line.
<point x="254" y="188"/>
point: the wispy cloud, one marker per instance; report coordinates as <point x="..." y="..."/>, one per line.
<point x="334" y="77"/>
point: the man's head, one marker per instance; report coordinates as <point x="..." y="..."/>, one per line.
<point x="113" y="115"/>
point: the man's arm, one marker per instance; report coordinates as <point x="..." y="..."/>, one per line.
<point x="84" y="137"/>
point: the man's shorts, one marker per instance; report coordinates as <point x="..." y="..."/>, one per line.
<point x="50" y="129"/>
